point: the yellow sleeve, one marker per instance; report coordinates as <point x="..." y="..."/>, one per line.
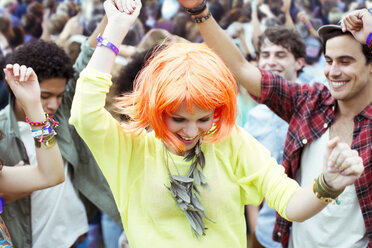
<point x="111" y="147"/>
<point x="259" y="175"/>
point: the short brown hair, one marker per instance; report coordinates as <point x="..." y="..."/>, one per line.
<point x="285" y="37"/>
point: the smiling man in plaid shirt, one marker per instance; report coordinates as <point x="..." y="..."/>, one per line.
<point x="315" y="115"/>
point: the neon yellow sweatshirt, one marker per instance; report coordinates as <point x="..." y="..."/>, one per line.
<point x="239" y="171"/>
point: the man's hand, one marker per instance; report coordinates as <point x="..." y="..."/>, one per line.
<point x="359" y="23"/>
<point x="24" y="84"/>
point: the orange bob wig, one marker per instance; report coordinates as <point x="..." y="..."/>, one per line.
<point x="181" y="72"/>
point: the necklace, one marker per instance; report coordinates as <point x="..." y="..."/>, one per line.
<point x="184" y="188"/>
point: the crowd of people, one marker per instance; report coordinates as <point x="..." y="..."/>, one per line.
<point x="185" y="123"/>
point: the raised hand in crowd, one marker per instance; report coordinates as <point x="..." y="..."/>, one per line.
<point x="49" y="171"/>
<point x="359" y="23"/>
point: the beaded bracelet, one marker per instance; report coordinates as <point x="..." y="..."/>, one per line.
<point x="198" y="10"/>
<point x="324" y="193"/>
<point x="201" y="19"/>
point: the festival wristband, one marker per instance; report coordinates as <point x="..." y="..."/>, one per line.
<point x="47" y="129"/>
<point x="2" y="204"/>
<point x="369" y="40"/>
<point x="103" y="42"/>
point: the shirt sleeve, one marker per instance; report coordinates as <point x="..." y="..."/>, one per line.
<point x="111" y="147"/>
<point x="280" y="95"/>
<point x="259" y="175"/>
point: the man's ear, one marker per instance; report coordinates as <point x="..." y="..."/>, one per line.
<point x="300" y="63"/>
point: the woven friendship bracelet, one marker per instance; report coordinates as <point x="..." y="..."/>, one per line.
<point x="197" y="10"/>
<point x="42" y="123"/>
<point x="38" y="124"/>
<point x="200" y="19"/>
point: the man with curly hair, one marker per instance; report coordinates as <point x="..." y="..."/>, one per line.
<point x="58" y="216"/>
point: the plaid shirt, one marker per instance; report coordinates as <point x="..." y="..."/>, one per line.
<point x="310" y="110"/>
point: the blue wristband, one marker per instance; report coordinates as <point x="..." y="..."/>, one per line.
<point x="103" y="42"/>
<point x="369" y="39"/>
<point x="2" y="204"/>
<point x="47" y="129"/>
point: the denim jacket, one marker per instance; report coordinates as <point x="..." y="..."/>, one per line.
<point x="86" y="176"/>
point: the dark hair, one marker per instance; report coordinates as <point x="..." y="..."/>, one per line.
<point x="365" y="49"/>
<point x="18" y="38"/>
<point x="36" y="9"/>
<point x="233" y="15"/>
<point x="46" y="58"/>
<point x="217" y="10"/>
<point x="285" y="37"/>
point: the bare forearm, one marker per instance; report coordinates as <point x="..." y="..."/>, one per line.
<point x="49" y="170"/>
<point x="303" y="205"/>
<point x="244" y="72"/>
<point x="92" y="40"/>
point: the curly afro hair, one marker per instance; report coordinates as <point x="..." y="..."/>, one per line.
<point x="46" y="58"/>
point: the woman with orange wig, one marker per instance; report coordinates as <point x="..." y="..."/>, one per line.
<point x="180" y="161"/>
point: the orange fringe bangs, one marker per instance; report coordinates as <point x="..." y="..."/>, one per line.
<point x="181" y="72"/>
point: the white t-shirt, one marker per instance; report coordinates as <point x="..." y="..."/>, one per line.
<point x="340" y="226"/>
<point x="58" y="215"/>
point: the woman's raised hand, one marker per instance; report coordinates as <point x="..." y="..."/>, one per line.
<point x="122" y="10"/>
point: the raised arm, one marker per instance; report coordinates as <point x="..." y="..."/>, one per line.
<point x="118" y="25"/>
<point x="244" y="72"/>
<point x="49" y="171"/>
<point x="359" y="23"/>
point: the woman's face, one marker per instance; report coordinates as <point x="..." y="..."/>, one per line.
<point x="187" y="127"/>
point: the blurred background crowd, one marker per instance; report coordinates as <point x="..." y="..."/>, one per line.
<point x="70" y="22"/>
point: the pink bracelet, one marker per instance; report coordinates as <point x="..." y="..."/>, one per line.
<point x="42" y="123"/>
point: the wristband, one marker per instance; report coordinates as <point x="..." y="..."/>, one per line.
<point x="103" y="42"/>
<point x="369" y="40"/>
<point x="197" y="10"/>
<point x="47" y="129"/>
<point x="2" y="204"/>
